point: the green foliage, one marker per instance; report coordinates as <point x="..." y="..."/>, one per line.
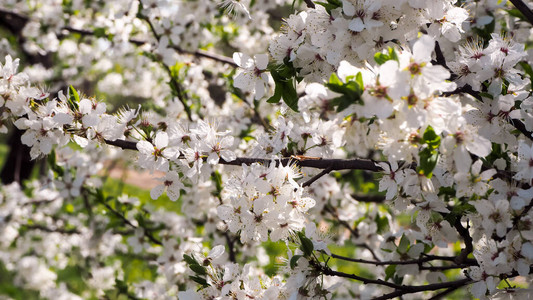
<point x="429" y="154"/>
<point x="284" y="78"/>
<point x="330" y="5"/>
<point x="73" y="98"/>
<point x="381" y="58"/>
<point x="306" y="244"/>
<point x="350" y="91"/>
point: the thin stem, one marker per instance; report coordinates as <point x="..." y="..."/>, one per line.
<point x="316" y="177"/>
<point x="173" y="82"/>
<point x="430" y="287"/>
<point x="126" y="221"/>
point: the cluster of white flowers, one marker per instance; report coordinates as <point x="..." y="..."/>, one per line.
<point x="427" y="93"/>
<point x="264" y="200"/>
<point x="318" y="40"/>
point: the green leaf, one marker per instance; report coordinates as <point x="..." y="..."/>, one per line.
<point x="330" y="5"/>
<point x="334" y="80"/>
<point x="198" y="269"/>
<point x="307" y="245"/>
<point x="404" y="245"/>
<point x="393" y="55"/>
<point x="199" y="280"/>
<point x="382" y="223"/>
<point x="527" y="68"/>
<point x="431" y="138"/>
<point x="73" y="98"/>
<point x="389" y="272"/>
<point x="359" y="80"/>
<point x="100" y="32"/>
<point x="52" y="163"/>
<point x="351" y="91"/>
<point x="190" y="260"/>
<point x="381" y="58"/>
<point x="285" y="88"/>
<point x="518" y="14"/>
<point x="276" y="97"/>
<point x="428" y="161"/>
<point x="294" y="261"/>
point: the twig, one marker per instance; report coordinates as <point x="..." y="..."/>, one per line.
<point x="445" y="292"/>
<point x="390" y="262"/>
<point x="173" y="82"/>
<point x="369" y="198"/>
<point x="524" y="9"/>
<point x="230" y="242"/>
<point x="463" y="232"/>
<point x="118" y="214"/>
<point x="316" y="177"/>
<point x="309" y="3"/>
<point x="47" y="229"/>
<point x="353" y="232"/>
<point x="330" y="272"/>
<point x="430" y="287"/>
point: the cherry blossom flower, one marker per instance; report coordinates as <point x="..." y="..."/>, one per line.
<point x="155" y="156"/>
<point x="253" y="76"/>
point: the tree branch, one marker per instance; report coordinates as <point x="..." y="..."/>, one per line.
<point x="332" y="164"/>
<point x="309" y="3"/>
<point x="430" y="287"/>
<point x="48" y="229"/>
<point x="147" y="234"/>
<point x="419" y="261"/>
<point x="463" y="232"/>
<point x="316" y="177"/>
<point x="524" y="9"/>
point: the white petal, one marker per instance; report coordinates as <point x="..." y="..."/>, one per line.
<point x="348" y="8"/>
<point x="216" y="251"/>
<point x="242" y="60"/>
<point x="161" y="140"/>
<point x="261" y="61"/>
<point x="145" y="147"/>
<point x="423" y="48"/>
<point x="157" y="191"/>
<point x="357" y="25"/>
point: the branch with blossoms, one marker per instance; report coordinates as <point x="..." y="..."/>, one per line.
<point x="22" y="20"/>
<point x="387" y="81"/>
<point x="302" y="161"/>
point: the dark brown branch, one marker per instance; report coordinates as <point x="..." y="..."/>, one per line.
<point x="524" y="9"/>
<point x="463" y="232"/>
<point x="316" y="177"/>
<point x="400" y="289"/>
<point x="419" y="261"/>
<point x="330" y="272"/>
<point x="48" y="229"/>
<point x="354" y="233"/>
<point x="445" y="292"/>
<point x="147" y="234"/>
<point x="332" y="164"/>
<point x="309" y="3"/>
<point x="231" y="248"/>
<point x="369" y="198"/>
<point x="430" y="287"/>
